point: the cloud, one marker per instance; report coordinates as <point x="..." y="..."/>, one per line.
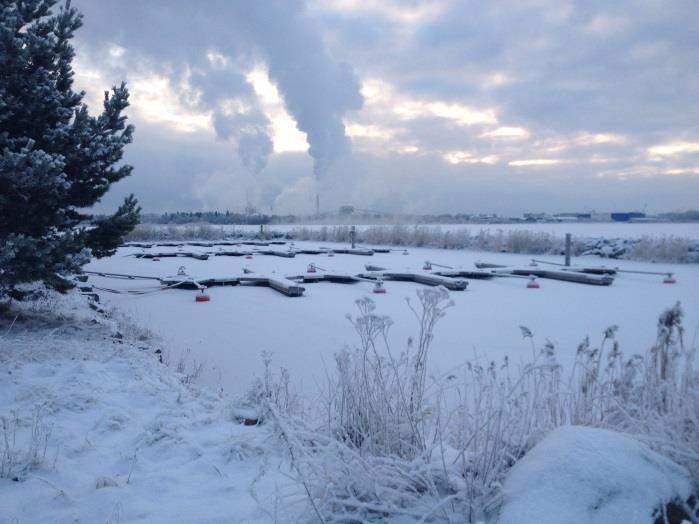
<point x="546" y="102"/>
<point x="507" y="132"/>
<point x="674" y="148"/>
<point x="534" y="162"/>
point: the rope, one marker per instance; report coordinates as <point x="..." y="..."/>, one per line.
<point x="120" y="276"/>
<point x="144" y="291"/>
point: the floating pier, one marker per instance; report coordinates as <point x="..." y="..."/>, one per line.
<point x="566" y="275"/>
<point x="467" y="273"/>
<point x="596" y="270"/>
<point x="453" y="284"/>
<point x="312" y="278"/>
<point x="275" y="253"/>
<point x="355" y="251"/>
<point x="280" y="284"/>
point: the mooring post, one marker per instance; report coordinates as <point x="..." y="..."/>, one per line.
<point x="568" y="248"/>
<point x="353" y="233"/>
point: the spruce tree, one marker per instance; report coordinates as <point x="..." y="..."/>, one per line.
<point x="55" y="159"/>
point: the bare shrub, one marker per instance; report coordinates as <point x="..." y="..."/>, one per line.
<point x="272" y="393"/>
<point x="190" y="372"/>
<point x="661" y="249"/>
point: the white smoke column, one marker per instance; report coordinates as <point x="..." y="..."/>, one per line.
<point x="250" y="131"/>
<point x="246" y="125"/>
<point x="317" y="90"/>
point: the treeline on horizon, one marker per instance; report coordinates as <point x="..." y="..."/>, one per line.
<point x="228" y="217"/>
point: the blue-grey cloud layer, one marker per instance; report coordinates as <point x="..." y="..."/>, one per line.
<point x="570" y="74"/>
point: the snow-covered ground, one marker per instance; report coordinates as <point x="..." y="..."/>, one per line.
<point x="229" y="333"/>
<point x="99" y="431"/>
<point x="579" y="474"/>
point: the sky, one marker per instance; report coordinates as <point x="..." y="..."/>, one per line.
<point x="431" y="106"/>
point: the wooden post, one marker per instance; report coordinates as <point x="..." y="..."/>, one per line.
<point x="568" y="249"/>
<point x="353" y="233"/>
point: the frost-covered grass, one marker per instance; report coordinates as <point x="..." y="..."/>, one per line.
<point x="387" y="442"/>
<point x="646" y="248"/>
<point x="152" y="232"/>
<point x="93" y="428"/>
<point x="656" y="248"/>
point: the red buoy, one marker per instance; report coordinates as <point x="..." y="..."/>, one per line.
<point x="427" y="266"/>
<point x="532" y="284"/>
<point x="669" y="279"/>
<point x="379" y="289"/>
<point x="311" y="268"/>
<point x="202" y="297"/>
<point x="405" y="251"/>
<point x="331" y="253"/>
<point x="248" y="256"/>
<point x="155" y="259"/>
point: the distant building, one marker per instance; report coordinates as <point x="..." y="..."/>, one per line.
<point x="627" y="216"/>
<point x="535" y="217"/>
<point x="346" y="210"/>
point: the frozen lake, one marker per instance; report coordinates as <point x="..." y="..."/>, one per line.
<point x="230" y="332"/>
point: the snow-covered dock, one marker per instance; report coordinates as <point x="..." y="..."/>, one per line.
<point x="311" y="278"/>
<point x="282" y="285"/>
<point x="566" y="275"/>
<point x="453" y="284"/>
<point x="362" y="252"/>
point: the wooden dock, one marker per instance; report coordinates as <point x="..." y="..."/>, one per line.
<point x="466" y="273"/>
<point x="312" y="278"/>
<point x="275" y="253"/>
<point x="592" y="270"/>
<point x="362" y="252"/>
<point x="280" y="284"/>
<point x="566" y="275"/>
<point x="453" y="284"/>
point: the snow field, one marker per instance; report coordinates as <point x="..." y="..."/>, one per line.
<point x="129" y="439"/>
<point x="372" y="454"/>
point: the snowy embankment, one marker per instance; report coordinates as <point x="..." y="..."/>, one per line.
<point x="96" y="429"/>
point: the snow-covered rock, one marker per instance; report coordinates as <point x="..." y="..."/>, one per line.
<point x="579" y="475"/>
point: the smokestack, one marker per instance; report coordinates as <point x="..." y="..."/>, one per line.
<point x="317" y="204"/>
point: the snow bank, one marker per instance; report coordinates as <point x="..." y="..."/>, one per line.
<point x="97" y="430"/>
<point x="579" y="474"/>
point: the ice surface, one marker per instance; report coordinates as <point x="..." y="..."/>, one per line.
<point x="230" y="332"/>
